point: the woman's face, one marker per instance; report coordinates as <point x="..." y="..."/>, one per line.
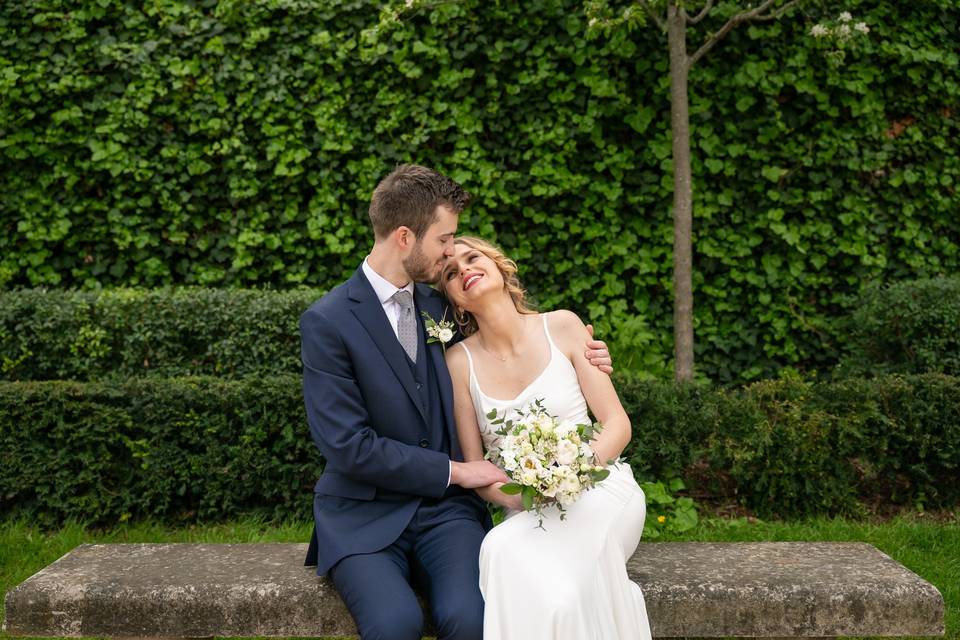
<point x="470" y="275"/>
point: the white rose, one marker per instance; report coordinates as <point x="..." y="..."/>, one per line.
<point x="570" y="484"/>
<point x="544" y="423"/>
<point x="550" y="489"/>
<point x="562" y="431"/>
<point x="528" y="477"/>
<point x="561" y="473"/>
<point x="566" y="452"/>
<point x="509" y="459"/>
<point x="445" y="335"/>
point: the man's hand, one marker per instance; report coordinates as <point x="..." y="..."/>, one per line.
<point x="597" y="353"/>
<point x="471" y="475"/>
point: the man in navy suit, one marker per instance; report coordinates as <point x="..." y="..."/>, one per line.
<point x="394" y="506"/>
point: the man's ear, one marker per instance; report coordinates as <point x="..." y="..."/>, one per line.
<point x="404" y="237"/>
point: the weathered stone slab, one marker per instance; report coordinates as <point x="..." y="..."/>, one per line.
<point x="692" y="589"/>
<point x="782" y="589"/>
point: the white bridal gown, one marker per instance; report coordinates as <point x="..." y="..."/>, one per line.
<point x="568" y="580"/>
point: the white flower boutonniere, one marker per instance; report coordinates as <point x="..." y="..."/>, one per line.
<point x="441" y="332"/>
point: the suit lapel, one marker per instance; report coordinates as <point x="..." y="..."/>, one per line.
<point x="370" y="313"/>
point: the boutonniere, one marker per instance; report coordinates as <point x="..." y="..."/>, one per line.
<point x="441" y="332"/>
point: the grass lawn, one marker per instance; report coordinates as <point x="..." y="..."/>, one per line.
<point x="929" y="546"/>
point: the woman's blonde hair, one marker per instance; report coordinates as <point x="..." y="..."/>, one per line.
<point x="511" y="283"/>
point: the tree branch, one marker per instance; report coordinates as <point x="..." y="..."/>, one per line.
<point x="773" y="15"/>
<point x="744" y="16"/>
<point x="700" y="16"/>
<point x="653" y="15"/>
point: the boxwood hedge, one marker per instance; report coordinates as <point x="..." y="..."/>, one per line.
<point x="205" y="448"/>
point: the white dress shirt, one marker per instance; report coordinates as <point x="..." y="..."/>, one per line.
<point x="385" y="291"/>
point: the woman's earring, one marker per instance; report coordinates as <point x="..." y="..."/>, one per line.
<point x="460" y="316"/>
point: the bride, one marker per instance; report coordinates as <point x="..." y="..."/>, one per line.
<point x="568" y="579"/>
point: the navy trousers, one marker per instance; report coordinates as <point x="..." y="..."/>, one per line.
<point x="437" y="553"/>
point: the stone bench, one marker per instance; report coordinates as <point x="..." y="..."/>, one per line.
<point x="781" y="589"/>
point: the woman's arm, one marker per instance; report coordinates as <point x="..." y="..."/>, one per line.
<point x="570" y="333"/>
<point x="468" y="430"/>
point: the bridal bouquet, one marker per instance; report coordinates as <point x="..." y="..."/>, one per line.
<point x="549" y="462"/>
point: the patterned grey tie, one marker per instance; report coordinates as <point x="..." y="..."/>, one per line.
<point x="406" y="323"/>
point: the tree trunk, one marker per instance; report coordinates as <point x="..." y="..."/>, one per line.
<point x="682" y="196"/>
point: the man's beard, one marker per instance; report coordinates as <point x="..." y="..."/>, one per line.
<point x="419" y="267"/>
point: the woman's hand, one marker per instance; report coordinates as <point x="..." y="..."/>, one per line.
<point x="493" y="494"/>
<point x="601" y="455"/>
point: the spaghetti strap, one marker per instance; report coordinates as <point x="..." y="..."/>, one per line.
<point x="469" y="357"/>
<point x="546" y="332"/>
<point x="474" y="385"/>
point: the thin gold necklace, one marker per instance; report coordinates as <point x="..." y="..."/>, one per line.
<point x="497" y="355"/>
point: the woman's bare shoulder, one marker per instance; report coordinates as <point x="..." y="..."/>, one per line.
<point x="567" y="331"/>
<point x="564" y="323"/>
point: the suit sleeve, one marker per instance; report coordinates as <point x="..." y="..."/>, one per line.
<point x="339" y="421"/>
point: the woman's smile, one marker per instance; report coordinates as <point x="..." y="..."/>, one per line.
<point x="471" y="280"/>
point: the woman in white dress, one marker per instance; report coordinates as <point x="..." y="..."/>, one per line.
<point x="568" y="579"/>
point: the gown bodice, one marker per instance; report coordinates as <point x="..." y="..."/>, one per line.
<point x="557" y="386"/>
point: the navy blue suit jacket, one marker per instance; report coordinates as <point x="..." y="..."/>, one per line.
<point x="367" y="419"/>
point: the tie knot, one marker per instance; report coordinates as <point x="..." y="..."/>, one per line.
<point x="404" y="298"/>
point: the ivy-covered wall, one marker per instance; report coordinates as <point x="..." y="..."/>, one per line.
<point x="236" y="143"/>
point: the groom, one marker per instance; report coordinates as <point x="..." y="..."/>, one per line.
<point x="393" y="508"/>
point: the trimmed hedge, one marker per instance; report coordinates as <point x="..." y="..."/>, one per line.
<point x="201" y="448"/>
<point x="170" y="332"/>
<point x="196" y="448"/>
<point x="790" y="448"/>
<point x="906" y="327"/>
<point x="236" y="143"/>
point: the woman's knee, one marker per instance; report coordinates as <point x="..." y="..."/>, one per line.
<point x="562" y="597"/>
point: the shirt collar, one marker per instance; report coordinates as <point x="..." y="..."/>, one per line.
<point x="381" y="286"/>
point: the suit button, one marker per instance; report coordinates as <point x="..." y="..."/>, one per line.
<point x="419" y="385"/>
<point x="424" y="443"/>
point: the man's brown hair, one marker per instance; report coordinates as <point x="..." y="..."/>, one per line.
<point x="409" y="197"/>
